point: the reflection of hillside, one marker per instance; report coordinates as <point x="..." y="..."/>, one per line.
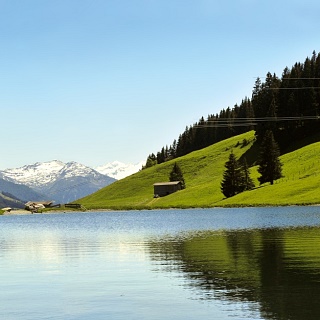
<point x="279" y="269"/>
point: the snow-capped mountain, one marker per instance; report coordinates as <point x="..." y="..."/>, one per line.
<point x="119" y="170"/>
<point x="61" y="182"/>
<point x="34" y="175"/>
<point x="66" y="182"/>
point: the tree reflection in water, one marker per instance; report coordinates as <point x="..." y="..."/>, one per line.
<point x="276" y="269"/>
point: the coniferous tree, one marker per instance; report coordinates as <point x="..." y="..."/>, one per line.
<point x="270" y="166"/>
<point x="151" y="161"/>
<point x="233" y="177"/>
<point x="248" y="182"/>
<point x="176" y="175"/>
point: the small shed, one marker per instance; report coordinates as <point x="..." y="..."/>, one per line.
<point x="162" y="189"/>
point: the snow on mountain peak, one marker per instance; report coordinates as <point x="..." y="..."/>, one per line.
<point x="73" y="168"/>
<point x="119" y="170"/>
<point x="44" y="173"/>
<point x="29" y="174"/>
<point x="61" y="182"/>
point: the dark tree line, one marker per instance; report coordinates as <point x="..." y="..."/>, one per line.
<point x="295" y="94"/>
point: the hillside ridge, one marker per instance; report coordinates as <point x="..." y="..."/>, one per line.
<point x="203" y="171"/>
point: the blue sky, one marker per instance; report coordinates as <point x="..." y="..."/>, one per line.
<point x="95" y="81"/>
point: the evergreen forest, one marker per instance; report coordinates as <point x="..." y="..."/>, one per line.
<point x="289" y="106"/>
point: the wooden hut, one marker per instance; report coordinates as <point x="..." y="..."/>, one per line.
<point x="162" y="189"/>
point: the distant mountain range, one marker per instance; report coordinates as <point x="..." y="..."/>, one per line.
<point x="60" y="182"/>
<point x="16" y="195"/>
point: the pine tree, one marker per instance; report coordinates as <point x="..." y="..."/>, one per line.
<point x="151" y="161"/>
<point x="270" y="166"/>
<point x="248" y="182"/>
<point x="233" y="177"/>
<point x="176" y="175"/>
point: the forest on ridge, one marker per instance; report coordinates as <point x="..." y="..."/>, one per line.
<point x="289" y="106"/>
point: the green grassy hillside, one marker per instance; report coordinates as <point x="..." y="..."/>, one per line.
<point x="203" y="171"/>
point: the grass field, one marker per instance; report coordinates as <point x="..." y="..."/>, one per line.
<point x="203" y="171"/>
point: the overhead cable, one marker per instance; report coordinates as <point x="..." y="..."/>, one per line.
<point x="247" y="122"/>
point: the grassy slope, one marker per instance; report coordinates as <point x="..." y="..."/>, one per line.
<point x="300" y="185"/>
<point x="203" y="171"/>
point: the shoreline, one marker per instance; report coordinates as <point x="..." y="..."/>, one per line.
<point x="26" y="212"/>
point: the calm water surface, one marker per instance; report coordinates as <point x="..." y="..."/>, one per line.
<point x="256" y="263"/>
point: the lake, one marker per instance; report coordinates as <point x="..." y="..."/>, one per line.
<point x="249" y="263"/>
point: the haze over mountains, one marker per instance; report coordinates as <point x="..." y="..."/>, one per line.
<point x="59" y="181"/>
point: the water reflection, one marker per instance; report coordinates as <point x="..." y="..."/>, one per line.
<point x="276" y="270"/>
<point x="253" y="264"/>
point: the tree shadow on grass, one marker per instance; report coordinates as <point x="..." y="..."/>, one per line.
<point x="252" y="154"/>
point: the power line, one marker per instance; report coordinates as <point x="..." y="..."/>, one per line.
<point x="267" y="119"/>
<point x="303" y="88"/>
<point x="247" y="122"/>
<point x="225" y="125"/>
<point x="299" y="78"/>
<point x="290" y="78"/>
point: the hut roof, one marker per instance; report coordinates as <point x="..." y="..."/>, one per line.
<point x="173" y="183"/>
